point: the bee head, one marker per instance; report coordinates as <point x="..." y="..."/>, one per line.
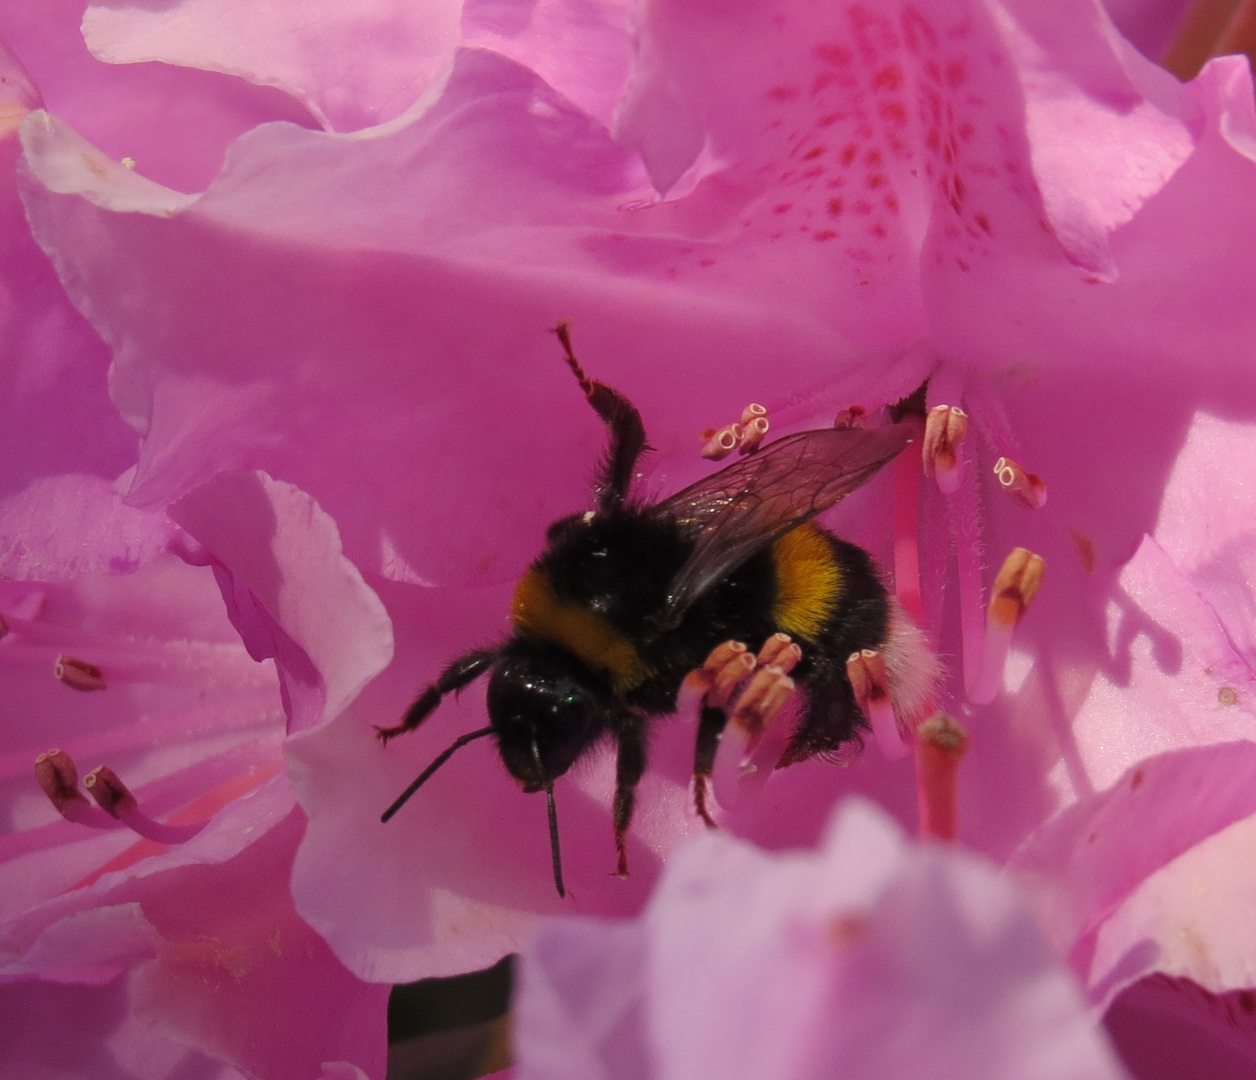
<point x="545" y="712"/>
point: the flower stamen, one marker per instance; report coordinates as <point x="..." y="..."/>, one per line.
<point x="1014" y="589"/>
<point x="56" y="774"/>
<point x="752" y="434"/>
<point x="1025" y="488"/>
<point x="78" y="674"/>
<point x="116" y="807"/>
<point x="871" y="684"/>
<point x="115" y="799"/>
<point x="946" y="428"/>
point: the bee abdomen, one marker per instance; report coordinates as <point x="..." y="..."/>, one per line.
<point x="809" y="582"/>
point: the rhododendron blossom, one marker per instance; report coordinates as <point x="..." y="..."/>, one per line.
<point x="331" y="387"/>
<point x="865" y="959"/>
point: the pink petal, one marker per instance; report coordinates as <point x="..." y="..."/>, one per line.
<point x="218" y="958"/>
<point x="351" y="67"/>
<point x="923" y="964"/>
<point x="1096" y="853"/>
<point x="283" y="553"/>
<point x="186" y="712"/>
<point x="582" y="48"/>
<point x="173" y="122"/>
<point x="103" y="1039"/>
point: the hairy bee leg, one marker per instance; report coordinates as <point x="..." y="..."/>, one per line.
<point x="626" y="427"/>
<point x="464" y="670"/>
<point x="711" y="722"/>
<point x="629" y="768"/>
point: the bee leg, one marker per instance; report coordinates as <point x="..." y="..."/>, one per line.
<point x="629" y="768"/>
<point x="464" y="670"/>
<point x="614" y="475"/>
<point x="711" y="722"/>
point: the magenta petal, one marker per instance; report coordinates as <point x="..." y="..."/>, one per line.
<point x="62" y="526"/>
<point x="283" y="558"/>
<point x="350" y="66"/>
<point x="77" y="1032"/>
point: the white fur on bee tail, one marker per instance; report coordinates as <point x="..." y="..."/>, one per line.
<point x="911" y="668"/>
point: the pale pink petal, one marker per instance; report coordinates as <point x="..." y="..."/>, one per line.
<point x="1200" y="914"/>
<point x="351" y="66"/>
<point x="327" y="628"/>
<point x="809" y="965"/>
<point x="1091" y="857"/>
<point x="173" y="122"/>
<point x="582" y="48"/>
<point x="185" y="714"/>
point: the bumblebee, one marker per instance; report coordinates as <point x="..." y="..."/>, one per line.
<point x="628" y="598"/>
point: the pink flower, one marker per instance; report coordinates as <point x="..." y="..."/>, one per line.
<point x="192" y="952"/>
<point x="155" y="957"/>
<point x="363" y="317"/>
<point x="868" y="958"/>
<point x="854" y="200"/>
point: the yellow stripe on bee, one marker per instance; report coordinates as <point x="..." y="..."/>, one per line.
<point x="808" y="582"/>
<point x="536" y="610"/>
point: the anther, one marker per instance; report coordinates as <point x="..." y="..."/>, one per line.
<point x="718" y="444"/>
<point x="780" y="651"/>
<point x="110" y="793"/>
<point x="946" y="428"/>
<point x="751" y="413"/>
<point x="940" y="746"/>
<point x="1027" y="489"/>
<point x="752" y="743"/>
<point x="871" y="684"/>
<point x="752" y="434"/>
<point x="56" y="775"/>
<point x="854" y="417"/>
<point x="758" y="704"/>
<point x="725" y="667"/>
<point x="1015" y="587"/>
<point x="78" y="674"/>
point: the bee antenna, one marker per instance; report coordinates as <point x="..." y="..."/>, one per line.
<point x="552" y="811"/>
<point x="423" y="777"/>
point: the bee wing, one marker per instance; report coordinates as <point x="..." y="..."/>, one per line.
<point x="743" y="508"/>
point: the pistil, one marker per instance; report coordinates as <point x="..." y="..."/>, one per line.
<point x="940" y="746"/>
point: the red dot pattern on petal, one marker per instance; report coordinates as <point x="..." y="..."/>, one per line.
<point x="882" y="105"/>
